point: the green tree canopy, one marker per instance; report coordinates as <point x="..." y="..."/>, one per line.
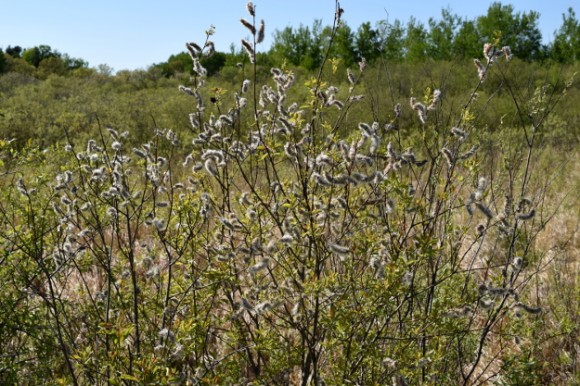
<point x="520" y="31"/>
<point x="393" y="45"/>
<point x="19" y="65"/>
<point x="467" y="42"/>
<point x="15" y="51"/>
<point x="344" y="44"/>
<point x="448" y="37"/>
<point x="442" y="34"/>
<point x="52" y="65"/>
<point x="300" y="46"/>
<point x="3" y="65"/>
<point x="37" y="54"/>
<point x="415" y="41"/>
<point x="214" y="63"/>
<point x="566" y="45"/>
<point x="176" y="64"/>
<point x="73" y="63"/>
<point x="367" y="42"/>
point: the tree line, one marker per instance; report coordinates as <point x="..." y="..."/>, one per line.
<point x="449" y="37"/>
<point x="41" y="59"/>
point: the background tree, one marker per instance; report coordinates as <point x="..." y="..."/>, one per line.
<point x="105" y="70"/>
<point x="529" y="38"/>
<point x="176" y="64"/>
<point x="343" y="47"/>
<point x="52" y="65"/>
<point x="3" y="65"/>
<point x="519" y="31"/>
<point x="214" y="63"/>
<point x="393" y="34"/>
<point x="37" y="54"/>
<point x="367" y="42"/>
<point x="234" y="56"/>
<point x="442" y="34"/>
<point x="73" y="63"/>
<point x="566" y="45"/>
<point x="19" y="65"/>
<point x="467" y="43"/>
<point x="415" y="41"/>
<point x="15" y="51"/>
<point x="299" y="47"/>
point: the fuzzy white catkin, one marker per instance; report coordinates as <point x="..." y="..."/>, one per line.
<point x="338" y="249"/>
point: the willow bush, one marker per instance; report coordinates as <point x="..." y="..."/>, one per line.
<point x="287" y="246"/>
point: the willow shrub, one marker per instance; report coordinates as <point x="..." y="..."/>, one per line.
<point x="284" y="248"/>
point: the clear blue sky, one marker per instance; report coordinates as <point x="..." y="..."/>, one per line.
<point x="131" y="34"/>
